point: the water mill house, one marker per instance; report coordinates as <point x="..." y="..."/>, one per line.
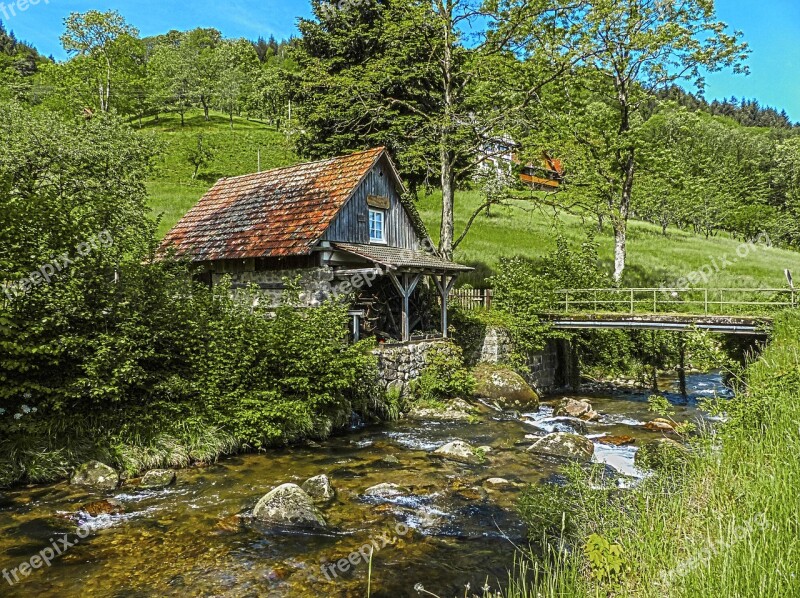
<point x="344" y="226"/>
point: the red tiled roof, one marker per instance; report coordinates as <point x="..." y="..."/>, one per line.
<point x="280" y="212"/>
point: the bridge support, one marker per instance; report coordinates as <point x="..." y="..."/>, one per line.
<point x="682" y="363"/>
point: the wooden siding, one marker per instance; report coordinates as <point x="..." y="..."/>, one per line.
<point x="351" y="225"/>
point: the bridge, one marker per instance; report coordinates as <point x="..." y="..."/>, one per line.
<point x="724" y="310"/>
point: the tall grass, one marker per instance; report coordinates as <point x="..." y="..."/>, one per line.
<point x="51" y="451"/>
<point x="724" y="524"/>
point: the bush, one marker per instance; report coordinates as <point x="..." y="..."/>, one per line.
<point x="443" y="377"/>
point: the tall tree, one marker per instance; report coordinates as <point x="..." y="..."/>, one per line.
<point x="107" y="47"/>
<point x="238" y="67"/>
<point x="404" y="73"/>
<point x="628" y="50"/>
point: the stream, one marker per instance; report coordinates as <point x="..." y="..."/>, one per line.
<point x="446" y="527"/>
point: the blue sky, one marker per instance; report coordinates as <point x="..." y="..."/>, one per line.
<point x="772" y="27"/>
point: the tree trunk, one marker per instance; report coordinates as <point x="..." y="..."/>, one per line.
<point x="205" y="107"/>
<point x="445" y="151"/>
<point x="447" y="227"/>
<point x="620" y="247"/>
<point x="620" y="220"/>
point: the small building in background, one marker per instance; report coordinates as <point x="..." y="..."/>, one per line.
<point x="499" y="156"/>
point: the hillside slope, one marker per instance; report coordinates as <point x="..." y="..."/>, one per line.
<point x="172" y="189"/>
<point x="515" y="230"/>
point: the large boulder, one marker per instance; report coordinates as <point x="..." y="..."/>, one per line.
<point x="455" y="410"/>
<point x="319" y="488"/>
<point x="565" y="445"/>
<point x="458" y="450"/>
<point x="660" y="453"/>
<point x="157" y="478"/>
<point x="504" y="387"/>
<point x="288" y="505"/>
<point x="95" y="475"/>
<point x="573" y="408"/>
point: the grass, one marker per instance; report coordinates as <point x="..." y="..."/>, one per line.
<point x="172" y="189"/>
<point x="653" y="258"/>
<point x="725" y="524"/>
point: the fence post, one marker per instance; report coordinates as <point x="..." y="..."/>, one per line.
<point x="632" y="308"/>
<point x="655" y="302"/>
<point x="705" y="300"/>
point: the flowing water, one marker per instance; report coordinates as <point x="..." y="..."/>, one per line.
<point x="444" y="528"/>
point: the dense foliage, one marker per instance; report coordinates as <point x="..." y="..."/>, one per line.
<point x="443" y="377"/>
<point x="524" y="289"/>
<point x="104" y="350"/>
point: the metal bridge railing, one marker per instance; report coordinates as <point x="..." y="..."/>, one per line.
<point x="718" y="301"/>
<point x="714" y="301"/>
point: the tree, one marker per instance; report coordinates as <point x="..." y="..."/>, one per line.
<point x="696" y="170"/>
<point x="238" y="66"/>
<point x="627" y="50"/>
<point x="171" y="73"/>
<point x="199" y="154"/>
<point x="107" y="50"/>
<point x="201" y="48"/>
<point x="404" y="74"/>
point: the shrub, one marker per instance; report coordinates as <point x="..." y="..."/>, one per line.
<point x="444" y="376"/>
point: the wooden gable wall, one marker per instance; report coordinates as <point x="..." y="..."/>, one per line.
<point x="351" y="225"/>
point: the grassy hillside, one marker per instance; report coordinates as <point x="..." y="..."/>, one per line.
<point x="172" y="190"/>
<point x="652" y="258"/>
<point x="515" y="230"/>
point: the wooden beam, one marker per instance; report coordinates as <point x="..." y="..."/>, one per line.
<point x="405" y="288"/>
<point x="444" y="287"/>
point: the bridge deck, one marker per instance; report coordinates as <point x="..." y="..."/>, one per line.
<point x="669" y="322"/>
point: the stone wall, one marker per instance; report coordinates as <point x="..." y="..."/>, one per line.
<point x="400" y="363"/>
<point x="546" y="370"/>
<point x="315" y="284"/>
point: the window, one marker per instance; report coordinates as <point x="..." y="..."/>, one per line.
<point x="377" y="230"/>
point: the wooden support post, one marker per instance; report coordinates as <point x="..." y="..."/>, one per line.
<point x="444" y="287"/>
<point x="406" y="288"/>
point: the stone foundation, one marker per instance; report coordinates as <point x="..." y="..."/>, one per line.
<point x="546" y="370"/>
<point x="400" y="363"/>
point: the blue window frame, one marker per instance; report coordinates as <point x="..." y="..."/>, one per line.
<point x="377" y="226"/>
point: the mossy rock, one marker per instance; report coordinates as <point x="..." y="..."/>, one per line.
<point x="95" y="475"/>
<point x="288" y="505"/>
<point x="504" y="387"/>
<point x="158" y="478"/>
<point x="564" y="445"/>
<point x="459" y="451"/>
<point x="319" y="488"/>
